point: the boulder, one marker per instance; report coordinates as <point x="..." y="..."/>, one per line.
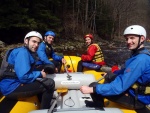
<point x="2" y="44"/>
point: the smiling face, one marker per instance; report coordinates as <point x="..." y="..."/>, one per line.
<point x="133" y="41"/>
<point x="88" y="41"/>
<point x="49" y="39"/>
<point x="32" y="43"/>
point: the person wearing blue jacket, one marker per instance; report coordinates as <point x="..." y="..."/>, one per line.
<point x="45" y="52"/>
<point x="24" y="82"/>
<point x="129" y="86"/>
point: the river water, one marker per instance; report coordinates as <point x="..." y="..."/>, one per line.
<point x="112" y="56"/>
<point x="119" y="54"/>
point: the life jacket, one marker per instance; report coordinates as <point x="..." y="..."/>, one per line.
<point x="48" y="49"/>
<point x="141" y="89"/>
<point x="98" y="57"/>
<point x="7" y="70"/>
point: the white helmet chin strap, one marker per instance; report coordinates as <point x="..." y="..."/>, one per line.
<point x="139" y="44"/>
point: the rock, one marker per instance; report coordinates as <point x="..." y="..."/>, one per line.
<point x="71" y="48"/>
<point x="2" y="44"/>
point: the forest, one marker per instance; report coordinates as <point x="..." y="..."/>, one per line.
<point x="71" y="19"/>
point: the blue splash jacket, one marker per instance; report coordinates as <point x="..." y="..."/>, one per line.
<point x="22" y="60"/>
<point x="44" y="57"/>
<point x="137" y="69"/>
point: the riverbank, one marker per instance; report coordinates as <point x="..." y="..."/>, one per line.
<point x="68" y="47"/>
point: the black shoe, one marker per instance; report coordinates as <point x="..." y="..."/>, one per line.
<point x="93" y="104"/>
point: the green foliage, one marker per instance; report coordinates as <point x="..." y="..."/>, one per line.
<point x="104" y="22"/>
<point x="28" y="14"/>
<point x="104" y="26"/>
<point x="68" y="18"/>
<point x="13" y="15"/>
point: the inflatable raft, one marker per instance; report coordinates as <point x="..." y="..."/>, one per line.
<point x="67" y="97"/>
<point x="72" y="62"/>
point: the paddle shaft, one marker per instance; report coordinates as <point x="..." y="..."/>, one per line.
<point x="54" y="103"/>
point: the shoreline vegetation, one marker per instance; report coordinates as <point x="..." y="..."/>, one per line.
<point x="66" y="47"/>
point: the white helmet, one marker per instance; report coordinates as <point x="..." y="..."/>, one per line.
<point x="33" y="33"/>
<point x="135" y="30"/>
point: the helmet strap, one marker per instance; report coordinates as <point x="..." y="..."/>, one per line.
<point x="139" y="44"/>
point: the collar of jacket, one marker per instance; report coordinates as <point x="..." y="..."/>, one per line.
<point x="138" y="51"/>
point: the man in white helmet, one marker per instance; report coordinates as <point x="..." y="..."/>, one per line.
<point x="129" y="87"/>
<point x="20" y="76"/>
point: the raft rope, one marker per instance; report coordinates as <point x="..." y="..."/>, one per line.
<point x="72" y="64"/>
<point x="69" y="99"/>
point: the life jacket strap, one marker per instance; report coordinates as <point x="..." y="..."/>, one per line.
<point x="140" y="89"/>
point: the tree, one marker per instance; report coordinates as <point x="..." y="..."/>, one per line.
<point x="20" y="16"/>
<point x="121" y="10"/>
<point x="13" y="15"/>
<point x="114" y="16"/>
<point x="71" y="18"/>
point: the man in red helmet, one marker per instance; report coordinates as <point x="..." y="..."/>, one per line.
<point x="93" y="59"/>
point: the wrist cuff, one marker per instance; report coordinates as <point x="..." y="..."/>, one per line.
<point x="94" y="89"/>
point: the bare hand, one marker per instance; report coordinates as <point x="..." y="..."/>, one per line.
<point x="63" y="61"/>
<point x="104" y="74"/>
<point x="56" y="70"/>
<point x="86" y="89"/>
<point x="43" y="74"/>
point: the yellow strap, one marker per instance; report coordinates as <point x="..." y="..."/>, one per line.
<point x="134" y="86"/>
<point x="62" y="90"/>
<point x="2" y="98"/>
<point x="147" y="90"/>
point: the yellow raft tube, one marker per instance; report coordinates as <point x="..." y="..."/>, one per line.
<point x="26" y="105"/>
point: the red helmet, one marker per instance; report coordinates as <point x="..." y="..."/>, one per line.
<point x="89" y="35"/>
